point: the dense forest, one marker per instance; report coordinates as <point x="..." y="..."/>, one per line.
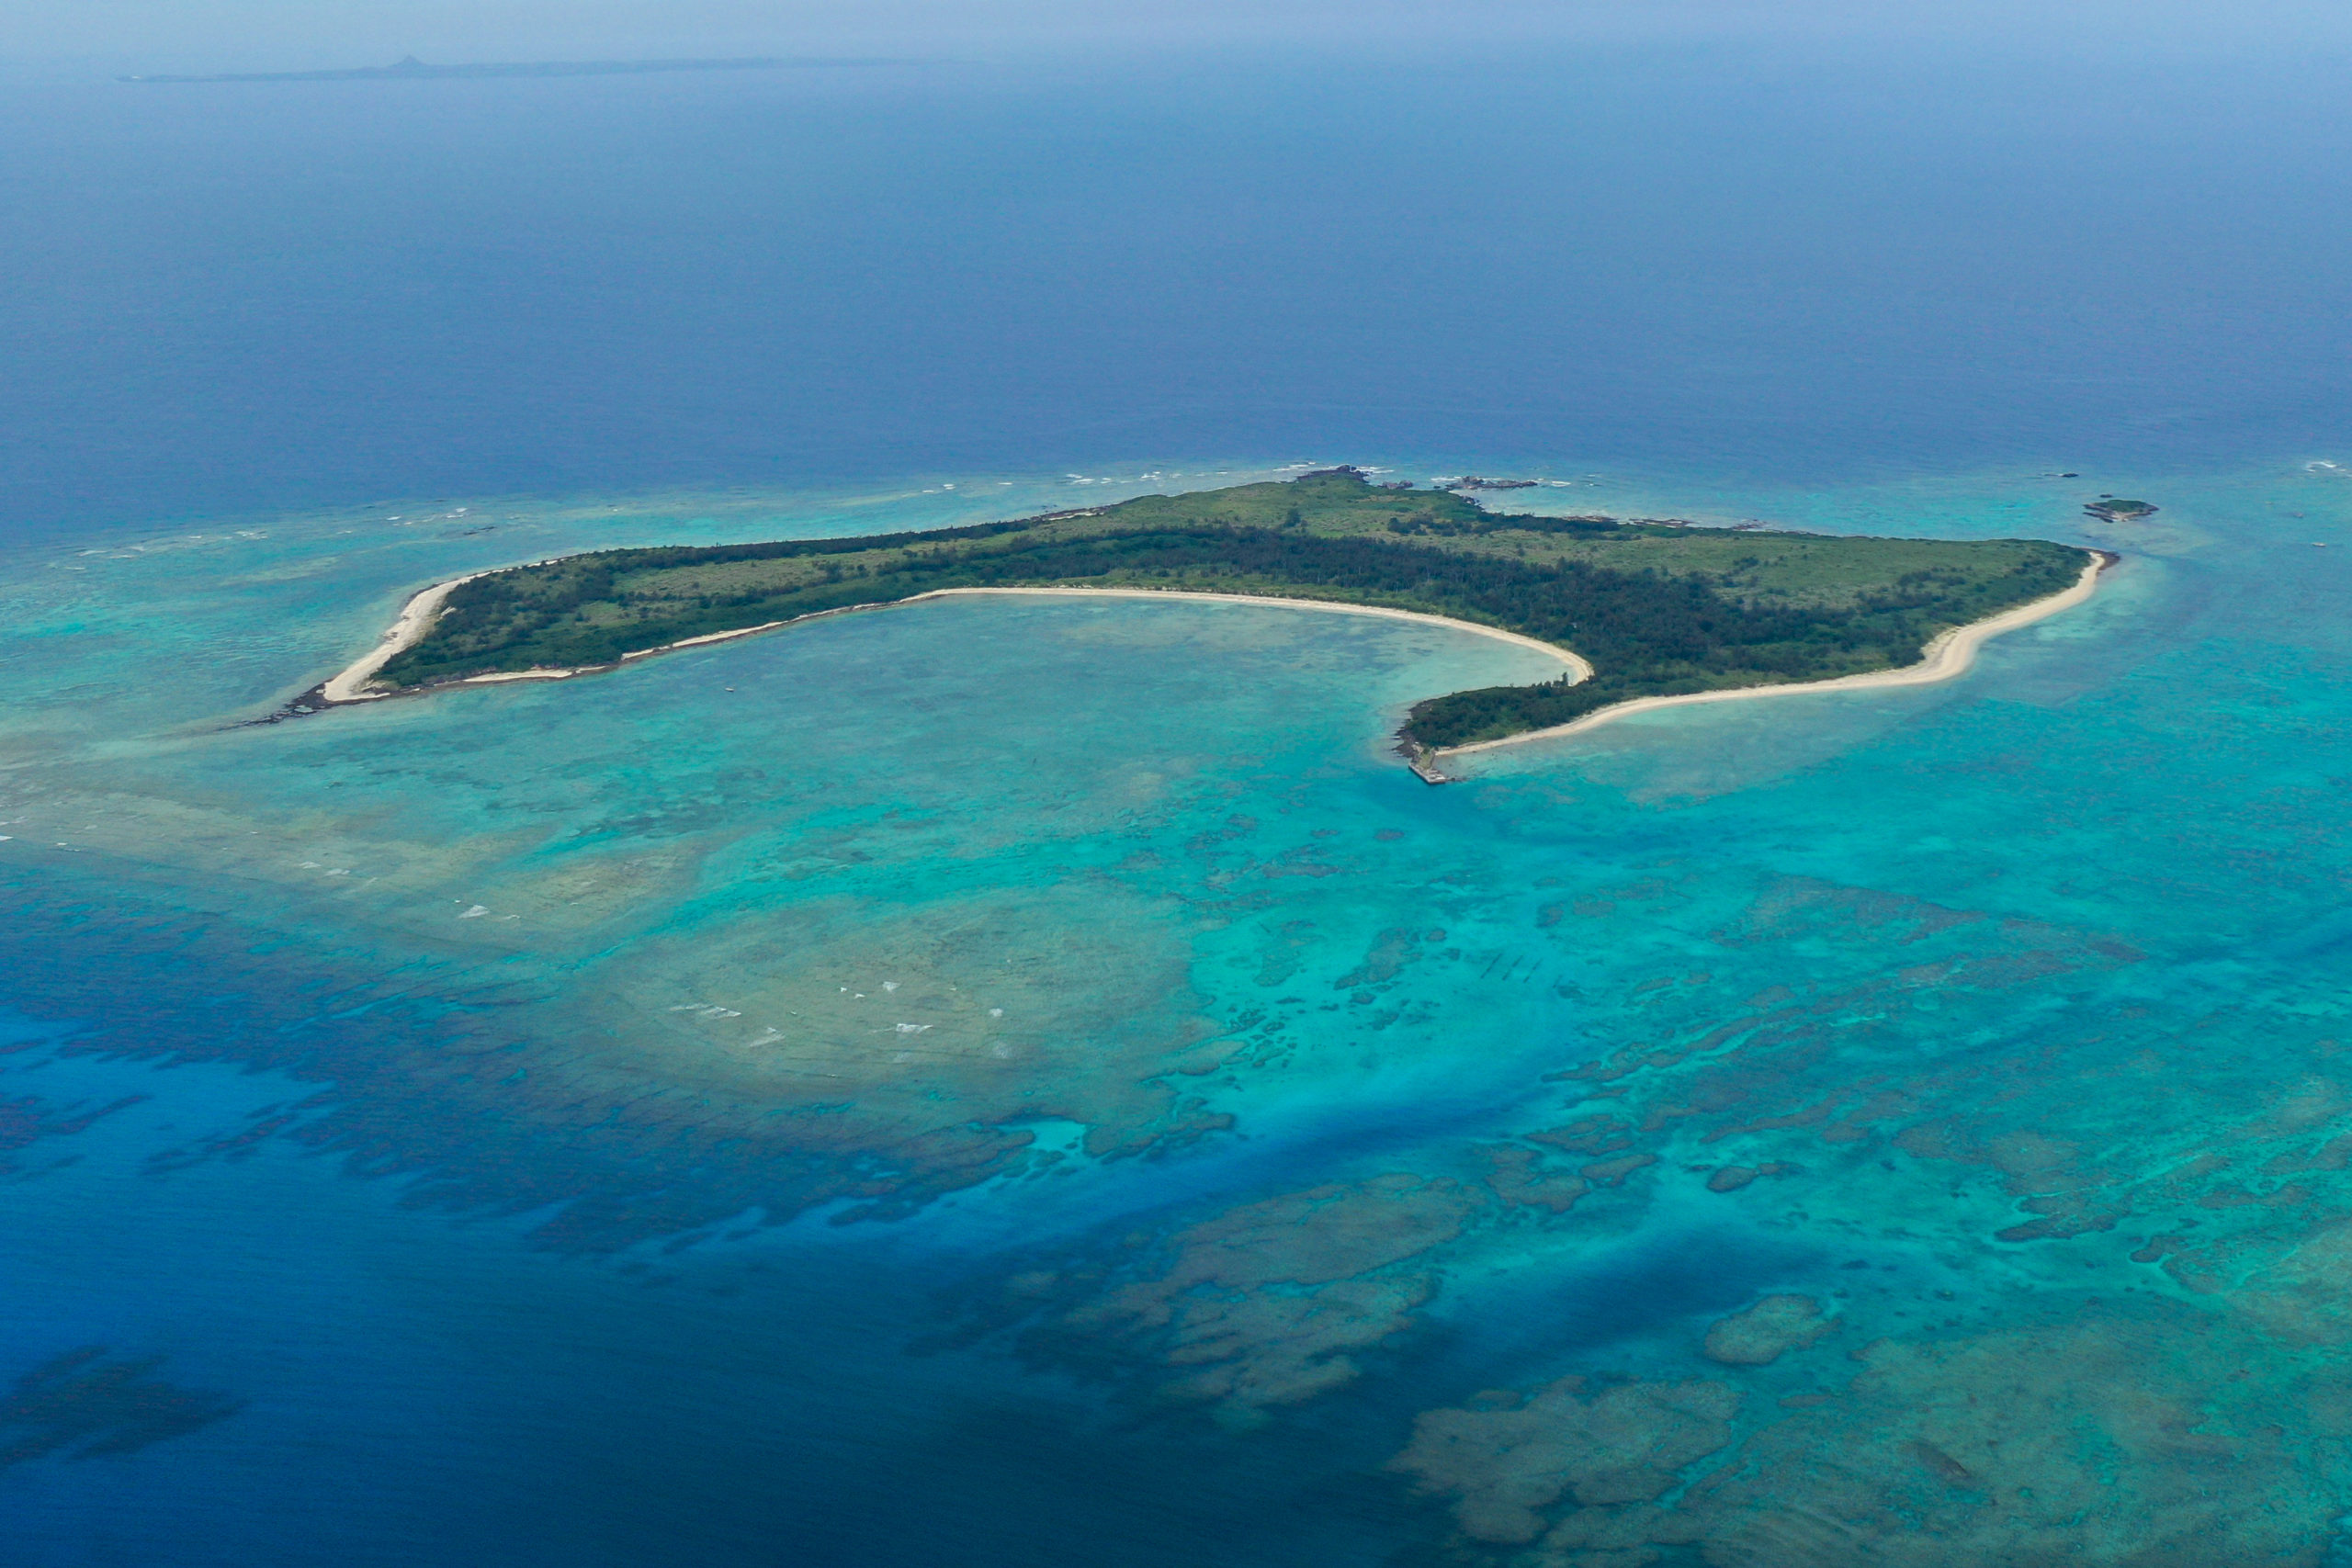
<point x="1657" y="609"/>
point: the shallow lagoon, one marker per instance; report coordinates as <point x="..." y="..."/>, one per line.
<point x="1033" y="1080"/>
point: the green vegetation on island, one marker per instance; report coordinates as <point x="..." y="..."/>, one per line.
<point x="2114" y="511"/>
<point x="1657" y="608"/>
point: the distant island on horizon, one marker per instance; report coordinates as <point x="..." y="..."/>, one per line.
<point x="1639" y="612"/>
<point x="415" y="70"/>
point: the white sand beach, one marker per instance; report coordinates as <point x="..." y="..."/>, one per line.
<point x="1573" y="660"/>
<point x="1950" y="655"/>
<point x="349" y="684"/>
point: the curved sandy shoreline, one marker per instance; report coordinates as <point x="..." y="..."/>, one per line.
<point x="1950" y="655"/>
<point x="349" y="684"/>
<point x="1574" y="661"/>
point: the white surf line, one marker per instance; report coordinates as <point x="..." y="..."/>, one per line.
<point x="414" y="620"/>
<point x="1951" y="654"/>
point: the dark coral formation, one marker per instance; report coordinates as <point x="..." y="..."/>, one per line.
<point x="2092" y="1443"/>
<point x="1502" y="1462"/>
<point x="27" y="1120"/>
<point x="87" y="1403"/>
<point x="1767" y="1331"/>
<point x="1267" y="1304"/>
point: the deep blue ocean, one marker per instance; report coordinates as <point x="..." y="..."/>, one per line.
<point x="1732" y="258"/>
<point x="1027" y="1083"/>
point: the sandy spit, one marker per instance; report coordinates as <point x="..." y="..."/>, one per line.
<point x="1951" y="654"/>
<point x="350" y="683"/>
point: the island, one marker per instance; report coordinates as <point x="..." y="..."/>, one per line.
<point x="2107" y="509"/>
<point x="1638" y="613"/>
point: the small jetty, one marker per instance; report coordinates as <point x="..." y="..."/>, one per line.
<point x="1424" y="761"/>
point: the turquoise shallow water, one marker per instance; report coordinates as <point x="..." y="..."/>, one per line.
<point x="1011" y="1081"/>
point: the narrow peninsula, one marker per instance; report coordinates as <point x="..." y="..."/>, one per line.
<point x="1640" y="612"/>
